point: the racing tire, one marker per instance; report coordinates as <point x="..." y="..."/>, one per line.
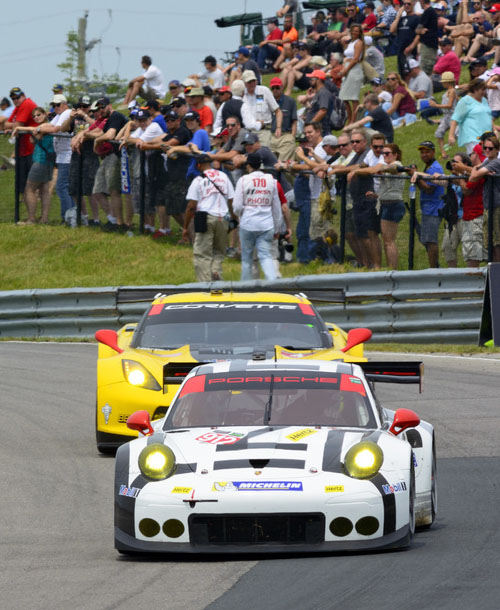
<point x="411" y="500"/>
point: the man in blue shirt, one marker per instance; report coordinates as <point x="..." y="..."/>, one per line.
<point x="431" y="201"/>
<point x="199" y="142"/>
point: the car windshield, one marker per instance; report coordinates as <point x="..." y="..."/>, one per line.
<point x="272" y="398"/>
<point x="250" y="325"/>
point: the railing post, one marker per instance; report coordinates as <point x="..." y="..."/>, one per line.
<point x="343" y="201"/>
<point x="142" y="191"/>
<point x="491" y="195"/>
<point x="411" y="235"/>
<point x="17" y="180"/>
<point x="79" y="191"/>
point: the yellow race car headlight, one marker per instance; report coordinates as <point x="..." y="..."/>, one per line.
<point x="138" y="375"/>
<point x="157" y="462"/>
<point x="363" y="460"/>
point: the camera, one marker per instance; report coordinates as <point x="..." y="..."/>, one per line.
<point x="232" y="224"/>
<point x="285" y="249"/>
<point x="449" y="165"/>
<point x="405" y="168"/>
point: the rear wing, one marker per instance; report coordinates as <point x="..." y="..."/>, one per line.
<point x="315" y="294"/>
<point x="175" y="372"/>
<point x="394" y="372"/>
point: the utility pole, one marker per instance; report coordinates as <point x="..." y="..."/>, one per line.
<point x="82" y="47"/>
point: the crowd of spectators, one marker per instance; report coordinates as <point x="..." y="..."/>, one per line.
<point x="220" y="147"/>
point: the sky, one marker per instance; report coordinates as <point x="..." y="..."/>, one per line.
<point x="176" y="35"/>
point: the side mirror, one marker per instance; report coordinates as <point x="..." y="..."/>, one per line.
<point x="141" y="422"/>
<point x="404" y="419"/>
<point x="356" y="336"/>
<point x="109" y="338"/>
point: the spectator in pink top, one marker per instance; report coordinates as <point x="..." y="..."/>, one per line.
<point x="447" y="62"/>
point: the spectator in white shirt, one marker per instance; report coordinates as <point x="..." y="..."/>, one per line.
<point x="213" y="75"/>
<point x="150" y="85"/>
<point x="262" y="106"/>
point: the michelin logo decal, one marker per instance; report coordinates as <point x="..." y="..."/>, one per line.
<point x="257" y="486"/>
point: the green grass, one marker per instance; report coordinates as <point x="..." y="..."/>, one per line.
<point x="55" y="256"/>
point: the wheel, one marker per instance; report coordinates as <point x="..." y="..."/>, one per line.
<point x="411" y="501"/>
<point x="433" y="508"/>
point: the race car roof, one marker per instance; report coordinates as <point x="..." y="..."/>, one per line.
<point x="242" y="366"/>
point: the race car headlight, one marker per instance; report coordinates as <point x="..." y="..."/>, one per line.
<point x="157" y="462"/>
<point x="363" y="460"/>
<point x="138" y="375"/>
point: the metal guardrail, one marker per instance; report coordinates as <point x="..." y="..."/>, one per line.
<point x="430" y="306"/>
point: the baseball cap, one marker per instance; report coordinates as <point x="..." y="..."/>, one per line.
<point x="203" y="159"/>
<point x="376" y="81"/>
<point x="171" y="115"/>
<point x="224" y="89"/>
<point x="16" y="92"/>
<point x="317" y="74"/>
<point x="330" y="141"/>
<point x="250" y="138"/>
<point x="103" y="101"/>
<point x="243" y="51"/>
<point x="175" y="83"/>
<point x="178" y="101"/>
<point x="248" y="75"/>
<point x="84" y="99"/>
<point x="368" y="39"/>
<point x="495" y="8"/>
<point x="427" y="144"/>
<point x="413" y="63"/>
<point x="195" y="91"/>
<point x="57" y="87"/>
<point x="479" y="61"/>
<point x="276" y="82"/>
<point x="59" y="99"/>
<point x="189" y="82"/>
<point x="165" y="108"/>
<point x="142" y="114"/>
<point x="192" y="115"/>
<point x="93" y="106"/>
<point x="254" y="160"/>
<point x="444" y="41"/>
<point x="447" y="76"/>
<point x="223" y="132"/>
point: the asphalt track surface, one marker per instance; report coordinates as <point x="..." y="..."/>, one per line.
<point x="56" y="508"/>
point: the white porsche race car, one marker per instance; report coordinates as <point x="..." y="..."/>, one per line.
<point x="277" y="456"/>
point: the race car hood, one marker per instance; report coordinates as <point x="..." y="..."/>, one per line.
<point x="303" y="450"/>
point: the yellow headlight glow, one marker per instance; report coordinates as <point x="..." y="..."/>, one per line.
<point x="137" y="375"/>
<point x="157" y="462"/>
<point x="363" y="460"/>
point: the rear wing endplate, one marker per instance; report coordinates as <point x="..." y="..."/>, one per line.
<point x="394" y="372"/>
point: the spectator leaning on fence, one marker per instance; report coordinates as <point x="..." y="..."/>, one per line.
<point x="209" y="198"/>
<point x="431" y="201"/>
<point x="491" y="192"/>
<point x="40" y="173"/>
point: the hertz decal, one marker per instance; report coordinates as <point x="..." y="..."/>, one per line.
<point x="300" y="434"/>
<point x="333" y="488"/>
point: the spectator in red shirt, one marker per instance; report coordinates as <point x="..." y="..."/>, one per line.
<point x="22" y="116"/>
<point x="196" y="101"/>
<point x="269" y="49"/>
<point x="370" y="20"/>
<point x="447" y="62"/>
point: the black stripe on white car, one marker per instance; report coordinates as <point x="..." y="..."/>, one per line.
<point x="241" y="446"/>
<point x="272" y="463"/>
<point x="333" y="451"/>
<point x="389" y="501"/>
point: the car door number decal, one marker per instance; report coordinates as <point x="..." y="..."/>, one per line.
<point x="215" y="438"/>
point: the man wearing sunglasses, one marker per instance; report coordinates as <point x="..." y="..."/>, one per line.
<point x="22" y="117"/>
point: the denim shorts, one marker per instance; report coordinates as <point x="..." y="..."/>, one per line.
<point x="392" y="210"/>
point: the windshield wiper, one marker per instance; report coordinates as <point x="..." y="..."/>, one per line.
<point x="269" y="404"/>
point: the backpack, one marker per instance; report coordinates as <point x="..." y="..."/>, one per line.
<point x="338" y="114"/>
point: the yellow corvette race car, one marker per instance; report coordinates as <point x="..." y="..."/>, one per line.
<point x="142" y="365"/>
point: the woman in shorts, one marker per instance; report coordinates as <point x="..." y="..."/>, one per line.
<point x="40" y="174"/>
